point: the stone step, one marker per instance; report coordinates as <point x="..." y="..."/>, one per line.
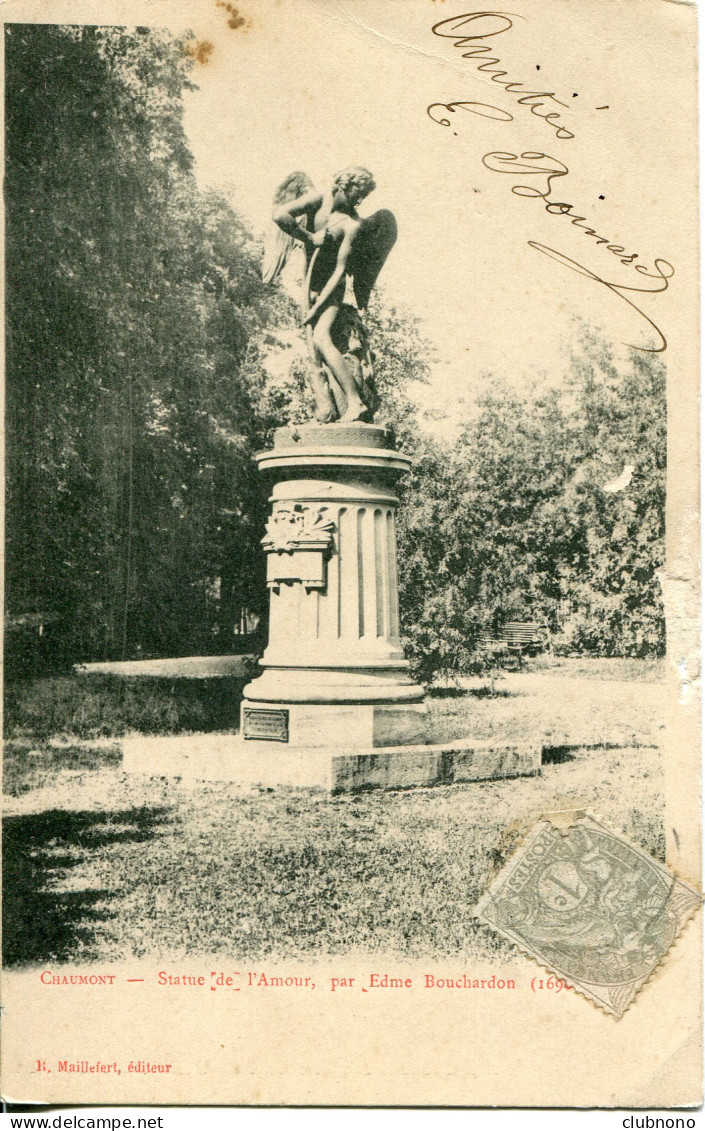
<point x="229" y="757"/>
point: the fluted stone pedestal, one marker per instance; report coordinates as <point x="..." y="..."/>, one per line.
<point x="334" y="673"/>
<point x="335" y="706"/>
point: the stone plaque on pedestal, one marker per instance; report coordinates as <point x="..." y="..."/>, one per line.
<point x="265" y="722"/>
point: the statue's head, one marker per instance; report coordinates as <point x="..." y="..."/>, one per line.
<point x="355" y="183"/>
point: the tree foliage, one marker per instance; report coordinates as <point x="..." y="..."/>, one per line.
<point x="549" y="508"/>
<point x="136" y="390"/>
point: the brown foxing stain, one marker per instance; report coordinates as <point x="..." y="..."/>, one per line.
<point x="235" y="17"/>
<point x="200" y="50"/>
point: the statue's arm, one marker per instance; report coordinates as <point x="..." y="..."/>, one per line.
<point x="285" y="216"/>
<point x="344" y="250"/>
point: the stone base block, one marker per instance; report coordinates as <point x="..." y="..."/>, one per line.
<point x="442" y="764"/>
<point x="228" y="757"/>
<point x="224" y="757"/>
<point x="336" y="726"/>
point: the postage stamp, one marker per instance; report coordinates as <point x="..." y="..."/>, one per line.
<point x="589" y="906"/>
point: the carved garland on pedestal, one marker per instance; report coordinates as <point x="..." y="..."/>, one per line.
<point x="298" y="543"/>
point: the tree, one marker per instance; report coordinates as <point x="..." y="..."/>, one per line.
<point x="135" y="379"/>
<point x="617" y="505"/>
<point x="549" y="508"/>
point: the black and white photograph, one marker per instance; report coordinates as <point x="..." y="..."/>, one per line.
<point x="351" y="551"/>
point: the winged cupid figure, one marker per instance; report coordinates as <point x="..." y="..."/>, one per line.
<point x="341" y="248"/>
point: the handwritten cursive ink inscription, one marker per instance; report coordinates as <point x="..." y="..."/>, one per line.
<point x="496" y="23"/>
<point x="533" y="164"/>
<point x="665" y="272"/>
<point x="541" y="164"/>
<point x="482" y="109"/>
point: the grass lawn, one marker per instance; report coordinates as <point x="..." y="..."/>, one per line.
<point x="101" y="865"/>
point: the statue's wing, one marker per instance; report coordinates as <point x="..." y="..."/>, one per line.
<point x="277" y="244"/>
<point x="374" y="241"/>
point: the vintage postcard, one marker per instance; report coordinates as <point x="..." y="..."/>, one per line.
<point x="351" y="554"/>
